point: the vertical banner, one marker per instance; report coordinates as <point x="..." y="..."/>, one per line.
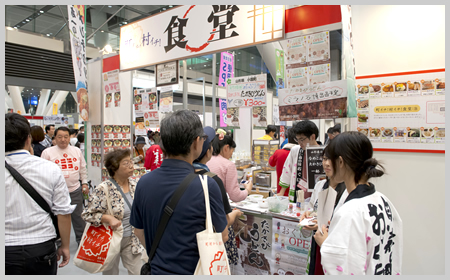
<point x="290" y="247"/>
<point x="314" y="166"/>
<point x="348" y="57"/>
<point x="223" y="112"/>
<point x="259" y="117"/>
<point x="276" y="114"/>
<point x="55" y="109"/>
<point x="254" y="242"/>
<point x="152" y="99"/>
<point x="166" y="101"/>
<point x="280" y="69"/>
<point x="226" y="68"/>
<point x="77" y="27"/>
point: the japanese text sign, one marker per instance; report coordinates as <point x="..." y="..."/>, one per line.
<point x="223" y="112"/>
<point x="188" y="31"/>
<point x="226" y="68"/>
<point x="247" y="91"/>
<point x="314" y="166"/>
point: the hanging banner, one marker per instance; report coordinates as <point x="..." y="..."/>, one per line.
<point x="167" y="74"/>
<point x="223" y="112"/>
<point x="321" y="101"/>
<point x="166" y="102"/>
<point x="151" y="119"/>
<point x="152" y="99"/>
<point x="138" y="100"/>
<point x="296" y="52"/>
<point x="296" y="77"/>
<point x="280" y="69"/>
<point x="77" y="27"/>
<point x="55" y="109"/>
<point x="318" y="47"/>
<point x="233" y="118"/>
<point x="226" y="68"/>
<point x="247" y="91"/>
<point x="259" y="117"/>
<point x="276" y="115"/>
<point x="191" y="31"/>
<point x="348" y="70"/>
<point x="254" y="242"/>
<point x="314" y="167"/>
<point x="290" y="247"/>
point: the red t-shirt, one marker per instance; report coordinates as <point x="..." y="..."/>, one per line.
<point x="278" y="159"/>
<point x="153" y="158"/>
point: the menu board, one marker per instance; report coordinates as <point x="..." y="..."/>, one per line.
<point x="254" y="243"/>
<point x="319" y="101"/>
<point x="403" y="111"/>
<point x="314" y="167"/>
<point x="290" y="247"/>
<point x="247" y="91"/>
<point x="151" y="119"/>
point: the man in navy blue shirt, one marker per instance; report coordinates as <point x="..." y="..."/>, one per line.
<point x="182" y="140"/>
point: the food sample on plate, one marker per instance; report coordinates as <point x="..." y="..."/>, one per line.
<point x="142" y="171"/>
<point x="375" y="88"/>
<point x="363" y="90"/>
<point x="139" y="125"/>
<point x="108" y="143"/>
<point x="427" y="85"/>
<point x="136" y="172"/>
<point x="375" y="132"/>
<point x="363" y="104"/>
<point x="428" y="132"/>
<point x="117" y="129"/>
<point x="440" y="85"/>
<point x="117" y="142"/>
<point x="414" y="86"/>
<point x="400" y="87"/>
<point x="440" y="133"/>
<point x="364" y="131"/>
<point x="362" y="118"/>
<point x="117" y="96"/>
<point x="413" y="133"/>
<point x="108" y="128"/>
<point x="388" y="88"/>
<point x="387" y="132"/>
<point x="400" y="133"/>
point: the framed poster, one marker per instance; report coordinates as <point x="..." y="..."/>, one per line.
<point x="167" y="74"/>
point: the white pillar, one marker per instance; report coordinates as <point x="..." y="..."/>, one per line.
<point x="42" y="104"/>
<point x="16" y="96"/>
<point x="8" y="101"/>
<point x="74" y="95"/>
<point x="58" y="97"/>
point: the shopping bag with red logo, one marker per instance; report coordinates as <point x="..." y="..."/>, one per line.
<point x="213" y="256"/>
<point x="99" y="246"/>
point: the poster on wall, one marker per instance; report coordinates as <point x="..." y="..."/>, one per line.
<point x="290" y="247"/>
<point x="77" y="27"/>
<point x="320" y="101"/>
<point x="247" y="91"/>
<point x="111" y="88"/>
<point x="166" y="101"/>
<point x="192" y="30"/>
<point x="138" y="100"/>
<point x="318" y="74"/>
<point x="318" y="47"/>
<point x="152" y="99"/>
<point x="226" y="68"/>
<point x="279" y="57"/>
<point x="296" y="77"/>
<point x="151" y="119"/>
<point x="167" y="74"/>
<point x="314" y="168"/>
<point x="259" y="117"/>
<point x="233" y="118"/>
<point x="296" y="52"/>
<point x="223" y="112"/>
<point x="254" y="242"/>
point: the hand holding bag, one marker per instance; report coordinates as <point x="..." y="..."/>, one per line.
<point x="99" y="246"/>
<point x="213" y="256"/>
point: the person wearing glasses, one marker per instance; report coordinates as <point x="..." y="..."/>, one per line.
<point x="294" y="175"/>
<point x="73" y="166"/>
<point x="120" y="168"/>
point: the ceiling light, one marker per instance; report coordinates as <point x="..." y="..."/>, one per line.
<point x="23" y="21"/>
<point x="204" y="65"/>
<point x="190" y="67"/>
<point x="48" y="34"/>
<point x="164" y="9"/>
<point x="125" y="22"/>
<point x="15" y="27"/>
<point x="9" y="28"/>
<point x="109" y="6"/>
<point x="41" y="12"/>
<point x="102" y="31"/>
<point x="239" y="52"/>
<point x="27" y="20"/>
<point x="238" y="59"/>
<point x="252" y="57"/>
<point x="170" y="6"/>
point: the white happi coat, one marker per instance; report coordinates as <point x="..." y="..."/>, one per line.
<point x="365" y="237"/>
<point x="315" y="196"/>
<point x="288" y="177"/>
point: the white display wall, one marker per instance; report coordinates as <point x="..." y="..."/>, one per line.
<point x="386" y="41"/>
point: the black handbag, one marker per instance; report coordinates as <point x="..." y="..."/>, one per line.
<point x="34" y="195"/>
<point x="165" y="217"/>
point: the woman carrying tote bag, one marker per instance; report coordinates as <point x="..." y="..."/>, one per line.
<point x="120" y="191"/>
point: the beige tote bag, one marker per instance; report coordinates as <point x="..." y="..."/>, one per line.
<point x="213" y="256"/>
<point x="99" y="246"/>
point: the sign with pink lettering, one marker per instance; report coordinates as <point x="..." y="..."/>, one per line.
<point x="226" y="68"/>
<point x="248" y="91"/>
<point x="223" y="112"/>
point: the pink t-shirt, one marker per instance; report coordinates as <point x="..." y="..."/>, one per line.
<point x="226" y="170"/>
<point x="71" y="162"/>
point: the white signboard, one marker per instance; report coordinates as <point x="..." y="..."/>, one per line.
<point x="167" y="73"/>
<point x="151" y="119"/>
<point x="188" y="31"/>
<point x="313" y="93"/>
<point x="247" y="91"/>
